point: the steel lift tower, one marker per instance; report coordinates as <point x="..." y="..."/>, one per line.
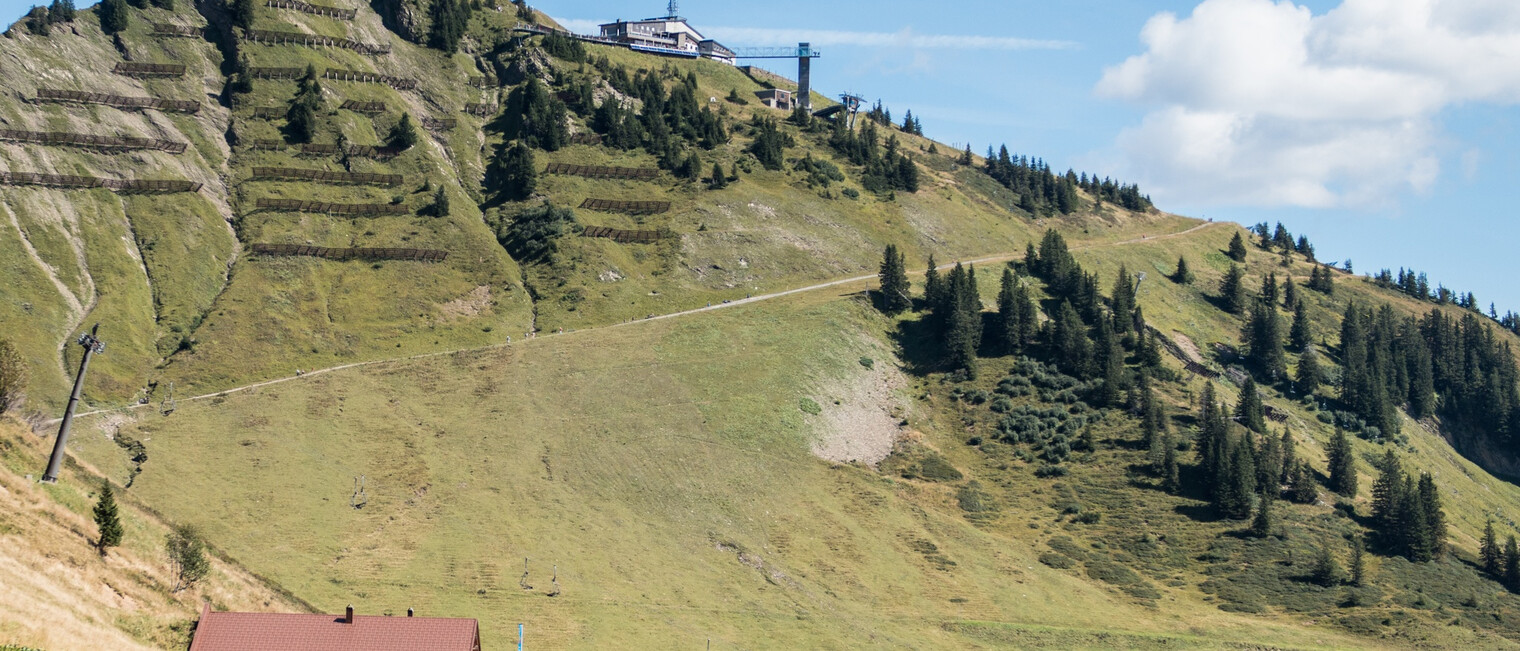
<point x="91" y="345"/>
<point x="803" y="53"/>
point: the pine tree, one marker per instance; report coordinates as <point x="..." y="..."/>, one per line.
<point x="1183" y="275"/>
<point x="894" y="281"/>
<point x="1240" y="482"/>
<point x="1237" y="251"/>
<point x="1073" y="351"/>
<point x="1269" y="466"/>
<point x="1327" y="572"/>
<point x="934" y="287"/>
<point x="1358" y="563"/>
<point x="440" y="206"/>
<point x="1232" y="295"/>
<point x="1290" y="294"/>
<point x="1262" y="524"/>
<point x="1301" y="488"/>
<point x="113" y="16"/>
<point x="1342" y="465"/>
<point x="1387" y="495"/>
<point x="1298" y="333"/>
<point x="1108" y="358"/>
<point x="61" y="11"/>
<point x="1413" y="536"/>
<point x="1307" y="380"/>
<point x="1171" y="477"/>
<point x="1511" y="565"/>
<point x="1435" y="517"/>
<point x="719" y="180"/>
<point x="301" y="119"/>
<point x="966" y="156"/>
<point x="1123" y="302"/>
<point x="1250" y="411"/>
<point x="515" y="173"/>
<point x="1289" y="456"/>
<point x="449" y="20"/>
<point x="107" y="520"/>
<point x="1269" y="290"/>
<point x="242" y="14"/>
<point x="1492" y="558"/>
<point x="1010" y="327"/>
<point x="404" y="134"/>
<point x="1264" y="341"/>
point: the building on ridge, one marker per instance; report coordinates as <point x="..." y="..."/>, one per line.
<point x="232" y="631"/>
<point x="668" y="35"/>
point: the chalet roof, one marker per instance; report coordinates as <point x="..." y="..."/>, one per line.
<point x="230" y="631"/>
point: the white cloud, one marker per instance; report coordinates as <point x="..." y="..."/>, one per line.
<point x="741" y="36"/>
<point x="1260" y="102"/>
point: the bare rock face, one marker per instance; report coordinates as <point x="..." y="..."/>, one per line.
<point x="515" y="67"/>
<point x="402" y="17"/>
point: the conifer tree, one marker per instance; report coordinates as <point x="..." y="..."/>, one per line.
<point x="1171" y="477"/>
<point x="1289" y="456"/>
<point x="1237" y="251"/>
<point x="301" y="119"/>
<point x="1358" y="563"/>
<point x="718" y="180"/>
<point x="1386" y="498"/>
<point x="966" y="156"/>
<point x="1249" y="410"/>
<point x="1435" y="516"/>
<point x="404" y="134"/>
<point x="1262" y="524"/>
<point x="449" y="20"/>
<point x="1108" y="357"/>
<point x="515" y="173"/>
<point x="1240" y="482"/>
<point x="1298" y="334"/>
<point x="934" y="287"/>
<point x="1073" y="351"/>
<point x="241" y="12"/>
<point x="1327" y="571"/>
<point x="1232" y="293"/>
<point x="1307" y="380"/>
<point x="1123" y="301"/>
<point x="61" y="11"/>
<point x="1213" y="441"/>
<point x="1290" y="294"/>
<point x="1413" y="538"/>
<point x="1489" y="552"/>
<point x="894" y="281"/>
<point x="1301" y="487"/>
<point x="106" y="519"/>
<point x="1511" y="565"/>
<point x="1269" y="290"/>
<point x="1010" y="330"/>
<point x="113" y="16"/>
<point x="1183" y="275"/>
<point x="1269" y="468"/>
<point x="1264" y="341"/>
<point x="440" y="202"/>
<point x="1342" y="465"/>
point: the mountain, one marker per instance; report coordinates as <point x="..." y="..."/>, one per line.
<point x="594" y="387"/>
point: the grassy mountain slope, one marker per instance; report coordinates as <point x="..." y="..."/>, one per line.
<point x="765" y="474"/>
<point x="60" y="594"/>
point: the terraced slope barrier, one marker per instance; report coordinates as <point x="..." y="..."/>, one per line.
<point x="167" y="29"/>
<point x="480" y="110"/>
<point x="273" y="37"/>
<point x="356" y="209"/>
<point x="270" y="112"/>
<point x="439" y="124"/>
<point x="479" y="81"/>
<point x="108" y="144"/>
<point x="323" y="176"/>
<point x="120" y="185"/>
<point x="320" y="149"/>
<point x="626" y="237"/>
<point x="316" y="10"/>
<point x="363" y="107"/>
<point x="424" y="255"/>
<point x="276" y="73"/>
<point x="118" y="101"/>
<point x="398" y="83"/>
<point x="147" y="70"/>
<point x="586" y="139"/>
<point x="602" y="172"/>
<point x="626" y="207"/>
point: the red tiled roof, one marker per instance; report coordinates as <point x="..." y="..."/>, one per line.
<point x="297" y="632"/>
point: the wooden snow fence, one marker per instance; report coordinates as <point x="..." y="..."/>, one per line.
<point x="326" y="208"/>
<point x="276" y="73"/>
<point x="439" y="124"/>
<point x="586" y="139"/>
<point x="626" y="207"/>
<point x="119" y="185"/>
<point x="602" y="171"/>
<point x="361" y="151"/>
<point x="479" y="81"/>
<point x="118" y="101"/>
<point x="1273" y="414"/>
<point x="363" y="107"/>
<point x="324" y="176"/>
<point x="423" y="255"/>
<point x="480" y="110"/>
<point x="273" y="37"/>
<point x="316" y="10"/>
<point x="268" y="145"/>
<point x="626" y="237"/>
<point x="108" y="144"/>
<point x="147" y="70"/>
<point x="167" y="29"/>
<point x="270" y="112"/>
<point x="397" y="83"/>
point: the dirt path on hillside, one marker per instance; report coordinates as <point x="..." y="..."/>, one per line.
<point x="657" y="317"/>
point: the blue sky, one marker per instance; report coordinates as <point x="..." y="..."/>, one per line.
<point x="1383" y="129"/>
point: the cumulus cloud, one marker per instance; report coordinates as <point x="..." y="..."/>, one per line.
<point x="1261" y="102"/>
<point x="824" y="37"/>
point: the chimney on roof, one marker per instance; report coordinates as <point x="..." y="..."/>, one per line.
<point x="409" y="612"/>
<point x="348" y="614"/>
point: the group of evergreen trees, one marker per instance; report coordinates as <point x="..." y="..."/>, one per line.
<point x="301" y="117"/>
<point x="40" y="20"/>
<point x="1281" y="240"/>
<point x="886" y="168"/>
<point x="1044" y="192"/>
<point x="534" y="115"/>
<point x="450" y="18"/>
<point x="1501" y="563"/>
<point x="1407" y="513"/>
<point x="113" y="16"/>
<point x="670" y="122"/>
<point x="1417" y="286"/>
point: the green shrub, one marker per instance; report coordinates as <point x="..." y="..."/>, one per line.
<point x="867" y="362"/>
<point x="935" y="468"/>
<point x="1051" y="470"/>
<point x="972" y="499"/>
<point x="1057" y="561"/>
<point x="808" y="405"/>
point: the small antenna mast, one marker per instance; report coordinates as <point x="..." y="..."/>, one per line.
<point x="673" y="9"/>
